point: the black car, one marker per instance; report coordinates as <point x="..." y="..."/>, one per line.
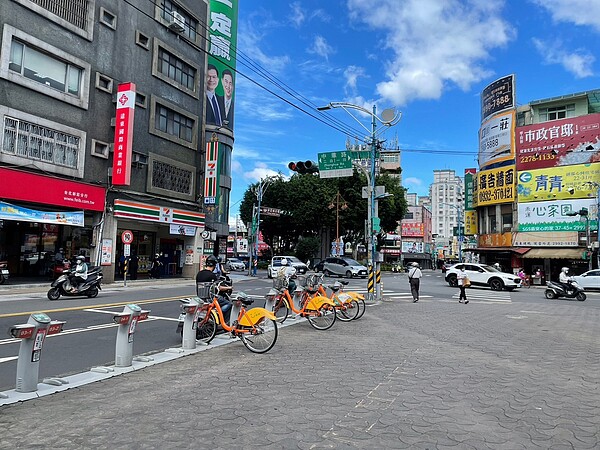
<point x="319" y="266"/>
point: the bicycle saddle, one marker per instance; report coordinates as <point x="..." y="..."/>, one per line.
<point x="243" y="297"/>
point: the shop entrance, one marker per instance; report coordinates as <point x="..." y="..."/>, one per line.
<point x="172" y="254"/>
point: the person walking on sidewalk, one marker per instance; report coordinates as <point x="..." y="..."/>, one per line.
<point x="414" y="279"/>
<point x="463" y="282"/>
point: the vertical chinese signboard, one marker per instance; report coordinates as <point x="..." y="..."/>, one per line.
<point x="211" y="170"/>
<point x="222" y="36"/>
<point x="470" y="218"/>
<point x="123" y="144"/>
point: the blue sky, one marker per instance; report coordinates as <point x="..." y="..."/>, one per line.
<point x="429" y="59"/>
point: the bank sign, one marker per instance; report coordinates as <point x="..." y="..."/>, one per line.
<point x="552" y="215"/>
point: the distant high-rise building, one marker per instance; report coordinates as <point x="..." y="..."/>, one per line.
<point x="446" y="194"/>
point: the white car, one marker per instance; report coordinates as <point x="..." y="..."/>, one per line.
<point x="589" y="280"/>
<point x="483" y="275"/>
<point x="344" y="267"/>
<point x="234" y="264"/>
<point x="275" y="265"/>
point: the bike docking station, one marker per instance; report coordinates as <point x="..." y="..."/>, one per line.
<point x="32" y="335"/>
<point x="127" y="321"/>
<point x="191" y="307"/>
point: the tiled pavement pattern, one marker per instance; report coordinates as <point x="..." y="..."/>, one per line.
<point x="433" y="375"/>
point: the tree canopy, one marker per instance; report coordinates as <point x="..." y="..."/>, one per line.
<point x="309" y="205"/>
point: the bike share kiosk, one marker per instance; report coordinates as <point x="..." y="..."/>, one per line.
<point x="127" y="321"/>
<point x="32" y="335"/>
<point x="191" y="307"/>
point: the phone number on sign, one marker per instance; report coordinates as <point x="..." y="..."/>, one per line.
<point x="495" y="195"/>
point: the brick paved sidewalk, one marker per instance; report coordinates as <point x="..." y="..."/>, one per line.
<point x="432" y="375"/>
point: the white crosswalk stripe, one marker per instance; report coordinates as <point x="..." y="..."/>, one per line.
<point x="486" y="296"/>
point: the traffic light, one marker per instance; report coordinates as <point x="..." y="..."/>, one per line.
<point x="303" y="167"/>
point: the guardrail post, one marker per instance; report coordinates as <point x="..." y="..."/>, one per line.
<point x="32" y="335"/>
<point x="127" y="321"/>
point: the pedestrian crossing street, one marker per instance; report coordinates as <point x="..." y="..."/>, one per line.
<point x="473" y="295"/>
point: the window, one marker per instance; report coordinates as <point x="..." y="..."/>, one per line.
<point x="107" y="18"/>
<point x="140" y="100"/>
<point x="169" y="177"/>
<point x="142" y="40"/>
<point x="44" y="68"/>
<point x="557" y="112"/>
<point x="173" y="123"/>
<point x="74" y="15"/>
<point x="100" y="149"/>
<point x="53" y="147"/>
<point x="167" y="7"/>
<point x="170" y="122"/>
<point x="170" y="66"/>
<point x="104" y="83"/>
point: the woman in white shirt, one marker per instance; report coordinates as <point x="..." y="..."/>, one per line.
<point x="414" y="278"/>
<point x="460" y="279"/>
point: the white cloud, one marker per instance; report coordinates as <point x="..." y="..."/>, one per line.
<point x="321" y="47"/>
<point x="413" y="181"/>
<point x="298" y="15"/>
<point x="578" y="62"/>
<point x="260" y="171"/>
<point x="433" y="44"/>
<point x="352" y="75"/>
<point x="579" y="12"/>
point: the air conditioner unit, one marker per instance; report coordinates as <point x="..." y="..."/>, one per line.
<point x="177" y="22"/>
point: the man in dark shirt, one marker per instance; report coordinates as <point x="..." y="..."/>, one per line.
<point x="208" y="275"/>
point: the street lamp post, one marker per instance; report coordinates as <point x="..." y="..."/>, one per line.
<point x="389" y="118"/>
<point x="260" y="191"/>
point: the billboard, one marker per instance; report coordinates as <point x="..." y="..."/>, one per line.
<point x="413" y="229"/>
<point x="555" y="183"/>
<point x="498" y="96"/>
<point x="495" y="186"/>
<point x="220" y="69"/>
<point x="546" y="239"/>
<point x="123" y="142"/>
<point x="470" y="175"/>
<point x="470" y="223"/>
<point x="552" y="215"/>
<point x="564" y="142"/>
<point x="496" y="139"/>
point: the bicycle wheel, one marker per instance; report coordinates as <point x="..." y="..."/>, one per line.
<point x="349" y="311"/>
<point x="206" y="328"/>
<point x="262" y="337"/>
<point x="325" y="318"/>
<point x="281" y="310"/>
<point x="362" y="306"/>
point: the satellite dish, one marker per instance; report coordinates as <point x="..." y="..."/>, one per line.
<point x="388" y="115"/>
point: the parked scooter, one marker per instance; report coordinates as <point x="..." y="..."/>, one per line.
<point x="3" y="272"/>
<point x="90" y="287"/>
<point x="557" y="290"/>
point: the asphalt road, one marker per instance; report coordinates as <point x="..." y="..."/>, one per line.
<point x="508" y="371"/>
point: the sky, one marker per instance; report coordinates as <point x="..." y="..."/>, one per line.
<point x="427" y="59"/>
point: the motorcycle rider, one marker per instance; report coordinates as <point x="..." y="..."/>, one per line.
<point x="208" y="275"/>
<point x="80" y="274"/>
<point x="564" y="279"/>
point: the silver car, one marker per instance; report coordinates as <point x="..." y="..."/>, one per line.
<point x="344" y="267"/>
<point x="233" y="264"/>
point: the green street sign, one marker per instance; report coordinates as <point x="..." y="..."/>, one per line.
<point x="376" y="224"/>
<point x="339" y="164"/>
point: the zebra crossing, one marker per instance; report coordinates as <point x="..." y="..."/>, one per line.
<point x="476" y="295"/>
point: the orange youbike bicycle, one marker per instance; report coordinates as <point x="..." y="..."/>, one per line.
<point x="349" y="305"/>
<point x="318" y="310"/>
<point x="256" y="327"/>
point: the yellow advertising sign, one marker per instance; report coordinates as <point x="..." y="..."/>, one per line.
<point x="495" y="186"/>
<point x="470" y="223"/>
<point x="563" y="182"/>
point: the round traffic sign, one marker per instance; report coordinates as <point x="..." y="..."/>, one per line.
<point x="205" y="234"/>
<point x="127" y="237"/>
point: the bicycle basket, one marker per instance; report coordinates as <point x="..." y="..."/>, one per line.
<point x="280" y="283"/>
<point x="204" y="290"/>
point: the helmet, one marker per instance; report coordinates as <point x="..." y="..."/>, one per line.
<point x="284" y="262"/>
<point x="414" y="264"/>
<point x="211" y="261"/>
<point x="564" y="269"/>
<point x="80" y="258"/>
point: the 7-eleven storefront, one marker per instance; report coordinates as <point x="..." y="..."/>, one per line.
<point x="172" y="233"/>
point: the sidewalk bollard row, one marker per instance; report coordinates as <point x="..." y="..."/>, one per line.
<point x="33" y="335"/>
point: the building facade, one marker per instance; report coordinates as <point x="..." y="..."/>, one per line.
<point x="62" y="150"/>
